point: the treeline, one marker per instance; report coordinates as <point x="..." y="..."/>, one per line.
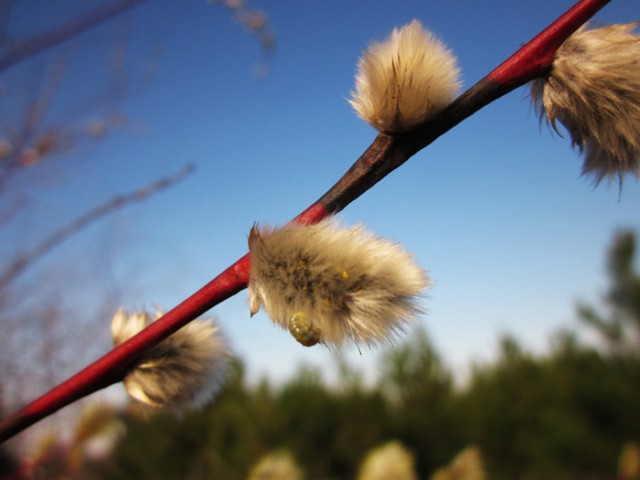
<point x="572" y="413"/>
<point x="567" y="415"/>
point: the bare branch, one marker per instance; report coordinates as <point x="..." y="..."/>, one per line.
<point x="26" y="260"/>
<point x="20" y="51"/>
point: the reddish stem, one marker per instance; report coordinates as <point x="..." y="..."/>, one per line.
<point x="383" y="156"/>
<point x="534" y="59"/>
<point x="112" y="367"/>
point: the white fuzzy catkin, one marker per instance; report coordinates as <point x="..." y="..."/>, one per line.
<point x="594" y="91"/>
<point x="405" y="80"/>
<point x="183" y="371"/>
<point x="330" y="284"/>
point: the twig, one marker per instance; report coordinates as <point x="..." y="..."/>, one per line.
<point x="27" y="259"/>
<point x="385" y="154"/>
<point x="19" y="51"/>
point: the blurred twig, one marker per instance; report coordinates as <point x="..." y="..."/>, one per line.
<point x="19" y="51"/>
<point x="27" y="259"/>
<point x="256" y="23"/>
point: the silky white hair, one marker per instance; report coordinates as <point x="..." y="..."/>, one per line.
<point x="405" y="80"/>
<point x="594" y="91"/>
<point x="331" y="284"/>
<point x="183" y="371"/>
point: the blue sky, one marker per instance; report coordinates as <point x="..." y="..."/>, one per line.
<point x="495" y="210"/>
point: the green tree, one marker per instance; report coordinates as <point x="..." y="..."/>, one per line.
<point x="619" y="324"/>
<point x="420" y="389"/>
<point x="566" y="414"/>
<point x="221" y="441"/>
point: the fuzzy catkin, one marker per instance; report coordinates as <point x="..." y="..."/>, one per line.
<point x="183" y="371"/>
<point x="593" y="89"/>
<point x="405" y="80"/>
<point x="331" y="285"/>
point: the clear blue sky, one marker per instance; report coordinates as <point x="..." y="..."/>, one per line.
<point x="495" y="210"/>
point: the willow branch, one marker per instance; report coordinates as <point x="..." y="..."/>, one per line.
<point x="384" y="155"/>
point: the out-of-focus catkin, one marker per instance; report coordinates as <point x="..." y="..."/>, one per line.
<point x="183" y="371"/>
<point x="391" y="461"/>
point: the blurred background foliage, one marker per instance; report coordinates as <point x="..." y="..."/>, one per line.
<point x="569" y="413"/>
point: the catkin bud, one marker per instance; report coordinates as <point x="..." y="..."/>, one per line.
<point x="330" y="284"/>
<point x="183" y="371"/>
<point x="593" y="89"/>
<point x="405" y="80"/>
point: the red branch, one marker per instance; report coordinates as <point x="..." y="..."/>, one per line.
<point x="383" y="156"/>
<point x="534" y="59"/>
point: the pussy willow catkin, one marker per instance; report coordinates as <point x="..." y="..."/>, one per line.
<point x="183" y="371"/>
<point x="405" y="80"/>
<point x="329" y="284"/>
<point x="593" y="89"/>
